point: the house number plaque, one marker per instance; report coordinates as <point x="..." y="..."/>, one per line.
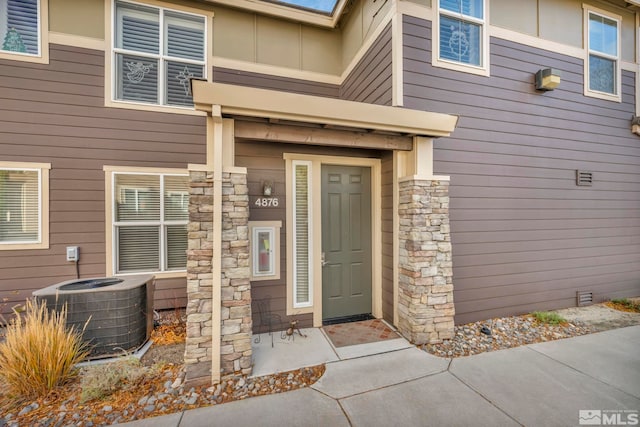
<point x="266" y="202"/>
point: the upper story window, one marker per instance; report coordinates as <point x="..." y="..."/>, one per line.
<point x="24" y="197"/>
<point x="603" y="68"/>
<point x="20" y="27"/>
<point x="461" y="35"/>
<point x="155" y="53"/>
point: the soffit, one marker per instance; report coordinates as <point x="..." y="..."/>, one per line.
<point x="270" y="104"/>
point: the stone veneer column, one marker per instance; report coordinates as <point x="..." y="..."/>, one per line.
<point x="235" y="297"/>
<point x="425" y="301"/>
<point x="236" y="324"/>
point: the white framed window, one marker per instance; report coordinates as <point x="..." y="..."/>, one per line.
<point x="24" y="205"/>
<point x="21" y="30"/>
<point x="302" y="231"/>
<point x="602" y="65"/>
<point x="460" y="35"/>
<point x="155" y="52"/>
<point x="149" y="217"/>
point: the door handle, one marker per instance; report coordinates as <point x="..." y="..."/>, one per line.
<point x="323" y="261"/>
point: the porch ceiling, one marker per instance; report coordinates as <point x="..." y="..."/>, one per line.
<point x="252" y="102"/>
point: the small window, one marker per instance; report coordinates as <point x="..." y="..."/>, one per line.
<point x="24" y="206"/>
<point x="150" y="216"/>
<point x="302" y="250"/>
<point x="265" y="249"/>
<point x="20" y="27"/>
<point x="602" y="66"/>
<point x="461" y="34"/>
<point x="156" y="51"/>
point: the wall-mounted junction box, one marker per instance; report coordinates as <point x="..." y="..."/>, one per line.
<point x="73" y="253"/>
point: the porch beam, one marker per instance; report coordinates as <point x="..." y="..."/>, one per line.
<point x="272" y="104"/>
<point x="323" y="137"/>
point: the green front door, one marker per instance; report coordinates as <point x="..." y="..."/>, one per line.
<point x="346" y="241"/>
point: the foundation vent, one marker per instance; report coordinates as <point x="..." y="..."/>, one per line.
<point x="584" y="178"/>
<point x="584" y="298"/>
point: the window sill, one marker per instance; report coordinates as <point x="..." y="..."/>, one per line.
<point x="469" y="69"/>
<point x="23" y="246"/>
<point x="164" y="275"/>
<point x="602" y="95"/>
<point x="154" y="108"/>
<point x="38" y="59"/>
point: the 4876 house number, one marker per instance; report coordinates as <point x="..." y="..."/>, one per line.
<point x="267" y="202"/>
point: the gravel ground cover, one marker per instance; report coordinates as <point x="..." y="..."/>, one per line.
<point x="160" y="390"/>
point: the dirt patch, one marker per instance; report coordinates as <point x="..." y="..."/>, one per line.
<point x="164" y="354"/>
<point x="600" y="317"/>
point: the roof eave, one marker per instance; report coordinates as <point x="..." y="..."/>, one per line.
<point x="270" y="104"/>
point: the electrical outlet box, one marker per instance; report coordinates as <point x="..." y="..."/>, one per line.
<point x="73" y="253"/>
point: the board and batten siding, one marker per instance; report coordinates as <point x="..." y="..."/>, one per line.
<point x="524" y="236"/>
<point x="55" y="114"/>
<point x="370" y="81"/>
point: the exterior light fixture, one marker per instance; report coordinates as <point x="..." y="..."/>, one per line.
<point x="267" y="188"/>
<point x="635" y="125"/>
<point x="547" y="79"/>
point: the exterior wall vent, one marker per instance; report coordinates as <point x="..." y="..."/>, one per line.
<point x="584" y="178"/>
<point x="584" y="298"/>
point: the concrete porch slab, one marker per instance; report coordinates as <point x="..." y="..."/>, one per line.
<point x="291" y="352"/>
<point x="360" y="350"/>
<point x="304" y="407"/>
<point x="535" y="389"/>
<point x="592" y="355"/>
<point x="353" y="376"/>
<point x="438" y="400"/>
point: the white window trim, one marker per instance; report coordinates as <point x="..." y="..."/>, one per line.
<point x="311" y="208"/>
<point x="43" y="206"/>
<point x="110" y="225"/>
<point x="436" y="61"/>
<point x="617" y="97"/>
<point x="110" y="63"/>
<point x="42" y="57"/>
<point x="316" y="238"/>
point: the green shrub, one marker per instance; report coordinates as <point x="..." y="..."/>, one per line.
<point x="626" y="303"/>
<point x="39" y="352"/>
<point x="548" y="317"/>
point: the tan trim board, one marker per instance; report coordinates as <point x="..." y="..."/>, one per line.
<point x="77" y="41"/>
<point x="142" y="170"/>
<point x="264" y="103"/>
<point x="325" y="137"/>
<point x="629" y="66"/>
<point x="397" y="60"/>
<point x="527" y="40"/>
<point x="255" y="67"/>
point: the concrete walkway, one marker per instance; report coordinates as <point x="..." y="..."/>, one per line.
<point x="543" y="384"/>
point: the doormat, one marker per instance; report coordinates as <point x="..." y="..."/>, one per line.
<point x="368" y="331"/>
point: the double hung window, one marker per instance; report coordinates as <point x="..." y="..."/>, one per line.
<point x="461" y="32"/>
<point x="604" y="54"/>
<point x="24" y="206"/>
<point x="156" y="51"/>
<point x="150" y="215"/>
<point x="20" y="27"/>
